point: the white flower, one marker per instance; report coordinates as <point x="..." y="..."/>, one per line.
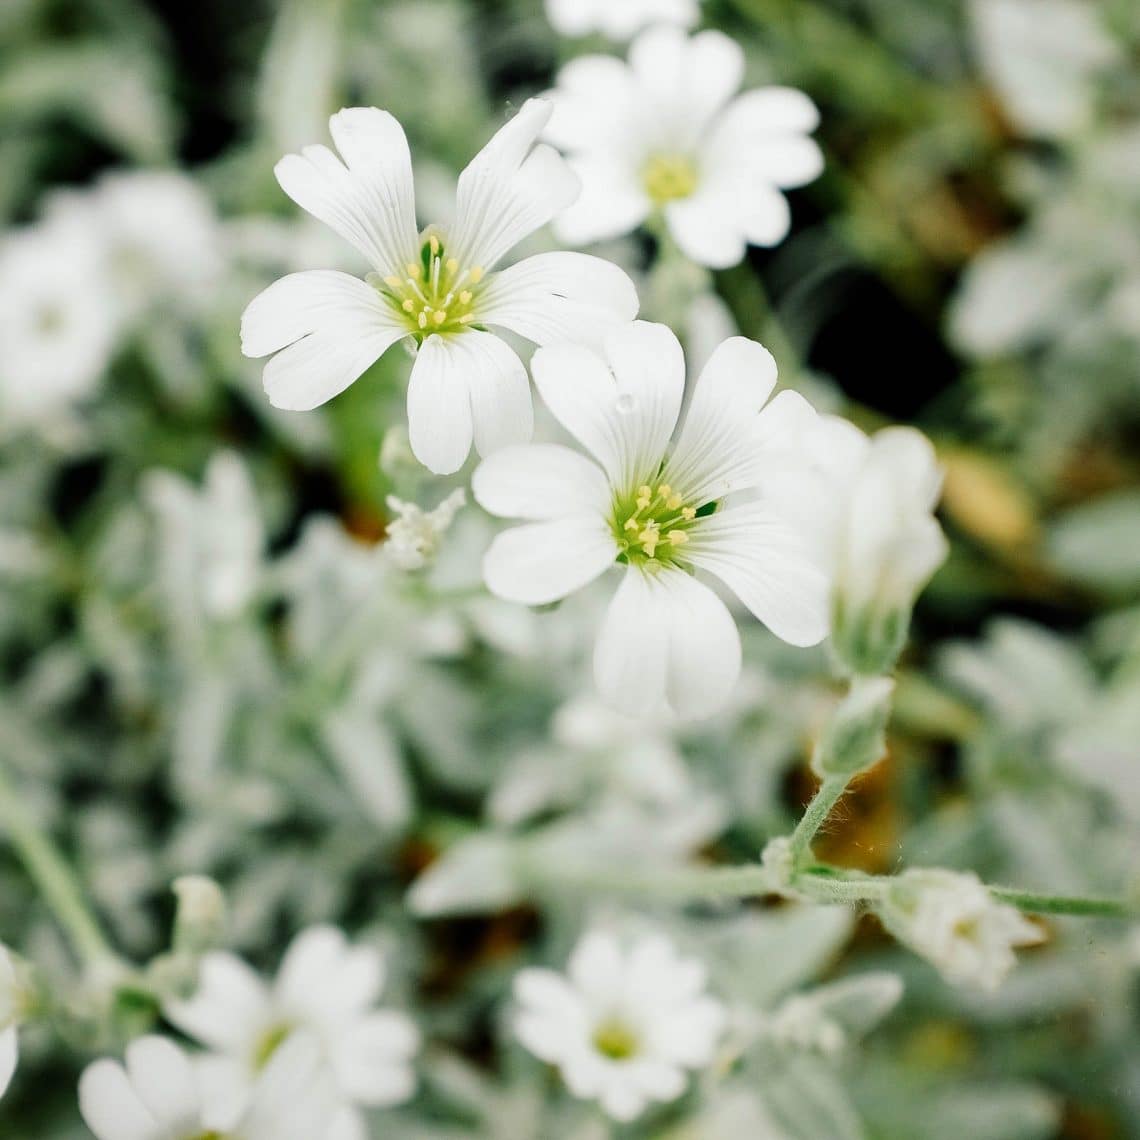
<point x="667" y="639"/>
<point x="162" y="1094"/>
<point x="325" y="988"/>
<point x="212" y="540"/>
<point x="436" y="287"/>
<point x="664" y="134"/>
<point x="11" y="1003"/>
<point x="622" y="1027"/>
<point x="57" y="332"/>
<point x="951" y="919"/>
<point x="619" y="19"/>
<point x="413" y="537"/>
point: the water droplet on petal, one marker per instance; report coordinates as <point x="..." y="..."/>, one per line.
<point x="626" y="404"/>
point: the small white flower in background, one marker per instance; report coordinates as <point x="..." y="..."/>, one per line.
<point x="57" y="329"/>
<point x="622" y="1026"/>
<point x="212" y="540"/>
<point x="325" y="988"/>
<point x="883" y="542"/>
<point x="438" y="287"/>
<point x="413" y="537"/>
<point x="163" y="1094"/>
<point x="160" y="238"/>
<point x="11" y="1009"/>
<point x="663" y="134"/>
<point x="667" y="640"/>
<point x="951" y="919"/>
<point x="619" y="19"/>
<point x="1043" y="58"/>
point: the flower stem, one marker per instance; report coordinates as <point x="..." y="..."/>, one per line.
<point x="52" y="876"/>
<point x="826" y="797"/>
<point x="1066" y="904"/>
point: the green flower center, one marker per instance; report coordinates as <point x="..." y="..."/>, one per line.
<point x="652" y="525"/>
<point x="615" y="1040"/>
<point x="436" y="293"/>
<point x="669" y="177"/>
<point x="268" y="1044"/>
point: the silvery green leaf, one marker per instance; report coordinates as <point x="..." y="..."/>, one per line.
<point x="859" y="1003"/>
<point x="761" y="957"/>
<point x="1098" y="544"/>
<point x="368" y="757"/>
<point x="808" y="1102"/>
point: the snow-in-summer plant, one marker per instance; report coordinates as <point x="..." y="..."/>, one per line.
<point x="624" y="1026"/>
<point x="441" y="289"/>
<point x="667" y="136"/>
<point x="657" y="511"/>
<point x="535" y="747"/>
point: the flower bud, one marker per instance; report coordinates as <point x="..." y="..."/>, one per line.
<point x="888" y="546"/>
<point x="855" y="737"/>
<point x="953" y="921"/>
<point x="200" y="918"/>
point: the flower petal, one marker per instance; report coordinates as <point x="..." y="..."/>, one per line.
<point x="556" y="297"/>
<point x="229" y="1007"/>
<point x="703" y="650"/>
<point x="110" y="1105"/>
<point x="440" y="428"/>
<point x="323" y="978"/>
<point x="371" y="201"/>
<point x="510" y="189"/>
<point x="545" y="561"/>
<point x="540" y="481"/>
<point x="329" y="326"/>
<point x="164" y="1080"/>
<point x="716" y="452"/>
<point x="715" y="225"/>
<point x="501" y="404"/>
<point x="630" y="654"/>
<point x="372" y="1059"/>
<point x="9" y="1056"/>
<point x="613" y="200"/>
<point x="688" y="78"/>
<point x="768" y="564"/>
<point x="624" y="417"/>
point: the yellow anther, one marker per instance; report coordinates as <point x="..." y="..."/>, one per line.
<point x="467" y="318"/>
<point x="413" y="269"/>
<point x="677" y="537"/>
<point x="477" y="275"/>
<point x="465" y="297"/>
<point x="409" y="306"/>
<point x="632" y="524"/>
<point x="664" y="490"/>
<point x="689" y="513"/>
<point x="452" y="266"/>
<point x="423" y="320"/>
<point x="439" y="316"/>
<point x="434" y="243"/>
<point x="392" y="282"/>
<point x="673" y="502"/>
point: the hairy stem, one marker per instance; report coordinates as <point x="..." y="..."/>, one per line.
<point x="53" y="877"/>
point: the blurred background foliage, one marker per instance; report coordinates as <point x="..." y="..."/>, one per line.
<point x="316" y="729"/>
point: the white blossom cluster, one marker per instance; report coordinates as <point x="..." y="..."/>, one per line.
<point x="638" y="565"/>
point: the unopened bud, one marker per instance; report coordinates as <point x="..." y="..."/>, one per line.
<point x="855" y="737"/>
<point x="199" y="921"/>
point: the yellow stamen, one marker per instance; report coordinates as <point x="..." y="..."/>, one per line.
<point x="423" y="320"/>
<point x="677" y="537"/>
<point x="392" y="282"/>
<point x="689" y="513"/>
<point x="434" y="243"/>
<point x="664" y="490"/>
<point x="452" y="266"/>
<point x="413" y="269"/>
<point x="467" y="318"/>
<point x="465" y="297"/>
<point x="476" y="274"/>
<point x="409" y="306"/>
<point x="439" y="316"/>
